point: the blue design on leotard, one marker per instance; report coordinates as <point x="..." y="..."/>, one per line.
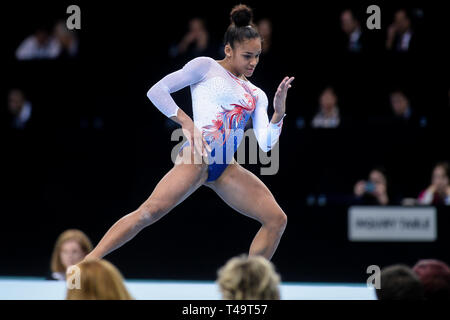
<point x="216" y="168"/>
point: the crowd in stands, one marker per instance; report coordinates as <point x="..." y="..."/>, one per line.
<point x="49" y="43"/>
<point x="402" y="35"/>
<point x="375" y="190"/>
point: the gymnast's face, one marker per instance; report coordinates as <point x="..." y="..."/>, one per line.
<point x="71" y="253"/>
<point x="245" y="56"/>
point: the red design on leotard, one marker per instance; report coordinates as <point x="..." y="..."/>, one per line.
<point x="228" y="120"/>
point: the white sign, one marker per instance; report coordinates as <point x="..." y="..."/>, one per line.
<point x="367" y="223"/>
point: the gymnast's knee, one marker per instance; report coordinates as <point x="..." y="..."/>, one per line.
<point x="151" y="211"/>
<point x="278" y="221"/>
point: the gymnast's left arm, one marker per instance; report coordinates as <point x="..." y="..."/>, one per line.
<point x="267" y="133"/>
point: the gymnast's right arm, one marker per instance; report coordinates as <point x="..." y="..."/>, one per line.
<point x="194" y="71"/>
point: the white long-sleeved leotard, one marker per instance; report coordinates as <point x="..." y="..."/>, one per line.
<point x="221" y="104"/>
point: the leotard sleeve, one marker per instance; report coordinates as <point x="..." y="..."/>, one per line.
<point x="266" y="132"/>
<point x="159" y="94"/>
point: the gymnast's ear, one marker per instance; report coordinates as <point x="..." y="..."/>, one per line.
<point x="228" y="51"/>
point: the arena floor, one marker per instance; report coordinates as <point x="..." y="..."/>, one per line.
<point x="15" y="288"/>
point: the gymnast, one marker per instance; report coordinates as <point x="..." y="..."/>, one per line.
<point x="223" y="99"/>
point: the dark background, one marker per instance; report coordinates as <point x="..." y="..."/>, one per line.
<point x="98" y="146"/>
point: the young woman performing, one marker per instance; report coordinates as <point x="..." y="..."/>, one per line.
<point x="222" y="100"/>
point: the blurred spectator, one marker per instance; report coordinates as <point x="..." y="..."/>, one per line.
<point x="328" y="115"/>
<point x="374" y="191"/>
<point x="435" y="278"/>
<point x="67" y="39"/>
<point x="249" y="278"/>
<point x="351" y="27"/>
<point x="62" y="43"/>
<point x="399" y="282"/>
<point x="99" y="280"/>
<point x="19" y="110"/>
<point x="71" y="247"/>
<point x="40" y="45"/>
<point x="196" y="42"/>
<point x="403" y="113"/>
<point x="265" y="30"/>
<point x="400" y="36"/>
<point x="438" y="193"/>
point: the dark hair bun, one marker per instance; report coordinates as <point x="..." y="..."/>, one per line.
<point x="241" y="15"/>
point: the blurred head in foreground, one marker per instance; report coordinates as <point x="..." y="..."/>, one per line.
<point x="99" y="280"/>
<point x="399" y="282"/>
<point x="435" y="277"/>
<point x="249" y="278"/>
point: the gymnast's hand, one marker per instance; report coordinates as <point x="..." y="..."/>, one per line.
<point x="279" y="101"/>
<point x="195" y="138"/>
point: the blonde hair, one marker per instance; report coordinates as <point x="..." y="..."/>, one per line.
<point x="249" y="278"/>
<point x="99" y="280"/>
<point x="71" y="234"/>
